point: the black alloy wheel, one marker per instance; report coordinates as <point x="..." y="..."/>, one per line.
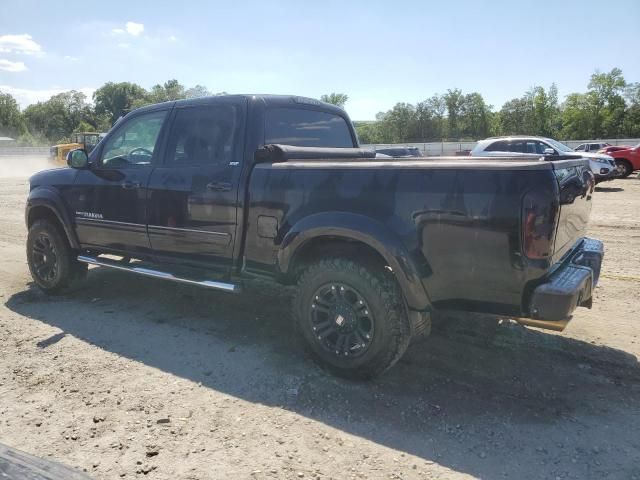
<point x="341" y="320"/>
<point x="44" y="258"/>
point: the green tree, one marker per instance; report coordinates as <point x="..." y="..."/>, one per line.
<point x="577" y="117"/>
<point x="197" y="92"/>
<point x="631" y="127"/>
<point x="12" y="122"/>
<point x="170" y="90"/>
<point x="337" y="99"/>
<point x="115" y="99"/>
<point x="429" y="118"/>
<point x="438" y="107"/>
<point x="555" y="123"/>
<point x="607" y="103"/>
<point x="369" y="132"/>
<point x="535" y="113"/>
<point x="475" y="116"/>
<point x="59" y="116"/>
<point x="399" y="124"/>
<point x="454" y="101"/>
<point x="512" y="117"/>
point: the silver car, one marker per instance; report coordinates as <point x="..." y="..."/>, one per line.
<point x="603" y="166"/>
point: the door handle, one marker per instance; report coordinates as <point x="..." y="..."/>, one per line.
<point x="219" y="186"/>
<point x="128" y="184"/>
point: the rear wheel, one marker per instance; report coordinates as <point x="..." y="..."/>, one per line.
<point x="352" y="317"/>
<point x="50" y="258"/>
<point x="624" y="167"/>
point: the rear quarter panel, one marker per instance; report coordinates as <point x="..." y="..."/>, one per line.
<point x="460" y="226"/>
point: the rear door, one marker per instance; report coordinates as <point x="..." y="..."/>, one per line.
<point x="192" y="203"/>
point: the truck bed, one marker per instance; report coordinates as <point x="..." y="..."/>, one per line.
<point x="457" y="220"/>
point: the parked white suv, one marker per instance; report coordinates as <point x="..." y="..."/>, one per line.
<point x="591" y="147"/>
<point x="603" y="166"/>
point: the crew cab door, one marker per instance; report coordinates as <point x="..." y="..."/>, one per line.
<point x="193" y="194"/>
<point x="109" y="199"/>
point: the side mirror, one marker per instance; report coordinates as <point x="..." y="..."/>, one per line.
<point x="78" y="159"/>
<point x="549" y="151"/>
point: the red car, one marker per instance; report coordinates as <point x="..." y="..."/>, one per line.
<point x="614" y="148"/>
<point x="627" y="159"/>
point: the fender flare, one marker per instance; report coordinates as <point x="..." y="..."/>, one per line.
<point x="363" y="229"/>
<point x="52" y="200"/>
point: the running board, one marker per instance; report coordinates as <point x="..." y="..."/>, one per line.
<point x="147" y="272"/>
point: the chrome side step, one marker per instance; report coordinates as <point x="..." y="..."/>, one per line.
<point x="147" y="272"/>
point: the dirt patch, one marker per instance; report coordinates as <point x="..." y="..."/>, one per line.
<point x="132" y="377"/>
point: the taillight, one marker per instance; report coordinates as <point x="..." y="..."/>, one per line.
<point x="539" y="219"/>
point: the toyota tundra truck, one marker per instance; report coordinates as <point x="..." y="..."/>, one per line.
<point x="217" y="192"/>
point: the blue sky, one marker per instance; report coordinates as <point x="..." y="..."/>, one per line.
<point x="378" y="52"/>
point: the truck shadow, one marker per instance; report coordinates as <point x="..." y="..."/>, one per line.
<point x="477" y="396"/>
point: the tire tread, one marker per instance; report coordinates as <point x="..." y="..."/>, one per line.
<point x="394" y="313"/>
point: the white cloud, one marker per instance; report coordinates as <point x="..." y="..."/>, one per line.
<point x="172" y="38"/>
<point x="22" y="43"/>
<point x="70" y="58"/>
<point x="134" y="28"/>
<point x="26" y="96"/>
<point x="13" y="67"/>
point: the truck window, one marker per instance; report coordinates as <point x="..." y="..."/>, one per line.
<point x="202" y="136"/>
<point x="306" y="128"/>
<point x="135" y="141"/>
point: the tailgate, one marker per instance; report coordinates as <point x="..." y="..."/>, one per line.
<point x="576" y="184"/>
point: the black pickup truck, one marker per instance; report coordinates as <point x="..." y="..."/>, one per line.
<point x="217" y="191"/>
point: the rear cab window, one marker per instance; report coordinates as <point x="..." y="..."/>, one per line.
<point x="306" y="128"/>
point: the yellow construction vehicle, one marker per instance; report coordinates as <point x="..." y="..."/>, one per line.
<point x="85" y="140"/>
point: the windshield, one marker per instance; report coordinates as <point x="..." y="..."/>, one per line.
<point x="561" y="147"/>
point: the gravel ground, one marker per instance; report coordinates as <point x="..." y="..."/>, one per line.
<point x="132" y="377"/>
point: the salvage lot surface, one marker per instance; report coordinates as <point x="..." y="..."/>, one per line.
<point x="128" y="377"/>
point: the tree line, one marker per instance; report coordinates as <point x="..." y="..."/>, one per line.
<point x="609" y="108"/>
<point x="53" y="121"/>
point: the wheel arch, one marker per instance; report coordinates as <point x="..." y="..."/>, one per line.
<point x="44" y="203"/>
<point x="352" y="235"/>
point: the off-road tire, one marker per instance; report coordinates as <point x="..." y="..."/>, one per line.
<point x="67" y="270"/>
<point x="391" y="327"/>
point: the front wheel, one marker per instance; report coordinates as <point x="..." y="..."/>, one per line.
<point x="352" y="317"/>
<point x="624" y="168"/>
<point x="50" y="258"/>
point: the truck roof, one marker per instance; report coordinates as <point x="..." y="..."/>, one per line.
<point x="265" y="99"/>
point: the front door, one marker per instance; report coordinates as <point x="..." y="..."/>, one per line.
<point x="109" y="199"/>
<point x="193" y="194"/>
